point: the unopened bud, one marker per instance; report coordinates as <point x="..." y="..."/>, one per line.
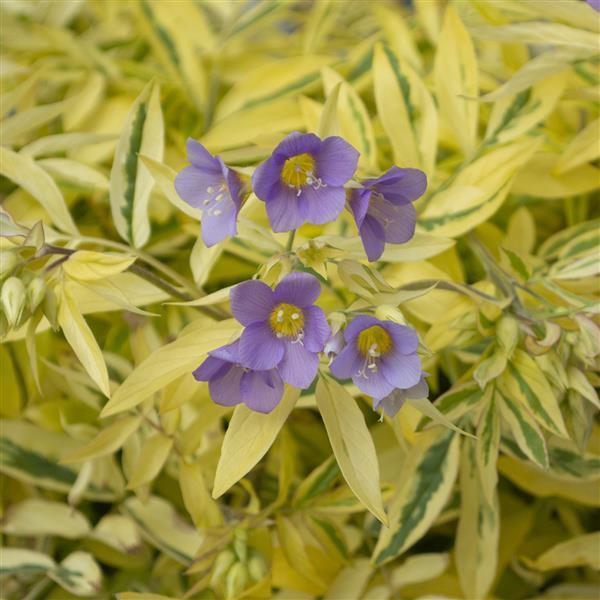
<point x="240" y="544"/>
<point x="8" y="261"/>
<point x="50" y="308"/>
<point x="257" y="566"/>
<point x="36" y="290"/>
<point x="222" y="564"/>
<point x="236" y="581"/>
<point x="13" y="299"/>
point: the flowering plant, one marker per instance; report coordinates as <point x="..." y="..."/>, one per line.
<point x="299" y="300"/>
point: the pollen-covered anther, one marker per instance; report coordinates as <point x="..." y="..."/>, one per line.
<point x="372" y="343"/>
<point x="298" y="171"/>
<point x="287" y="320"/>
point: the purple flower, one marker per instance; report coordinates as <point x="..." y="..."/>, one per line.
<point x="230" y="383"/>
<point x="303" y="180"/>
<point x="334" y="345"/>
<point x="383" y="211"/>
<point x="595" y="4"/>
<point x="283" y="328"/>
<point x="209" y="185"/>
<point x="379" y="356"/>
<point x="393" y="402"/>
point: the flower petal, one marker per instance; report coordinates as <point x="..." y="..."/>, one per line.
<point x="359" y="204"/>
<point x="267" y="177"/>
<point x="192" y="184"/>
<point x="401" y="370"/>
<point x="200" y="157"/>
<point x="347" y="363"/>
<point x="299" y="289"/>
<point x="400" y="185"/>
<point x="259" y="348"/>
<point x="357" y="324"/>
<point x="406" y="340"/>
<point x="336" y="161"/>
<point x="392" y="403"/>
<point x="316" y="329"/>
<point x="299" y="365"/>
<point x="373" y="237"/>
<point x="229" y="352"/>
<point x="211" y="368"/>
<point x="251" y="301"/>
<point x="225" y="390"/>
<point x="261" y="390"/>
<point x="284" y="211"/>
<point x="397" y="220"/>
<point x="217" y="227"/>
<point x="298" y="143"/>
<point x="374" y="385"/>
<point x="322" y="205"/>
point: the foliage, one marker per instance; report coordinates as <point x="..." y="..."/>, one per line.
<point x="119" y="473"/>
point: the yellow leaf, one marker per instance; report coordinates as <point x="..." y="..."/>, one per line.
<point x="418" y="568"/>
<point x="79" y="574"/>
<point x="272" y="81"/>
<point x="514" y="116"/>
<point x="355" y="123"/>
<point x="328" y="122"/>
<point x="539" y="178"/>
<point x="23" y="171"/>
<point x="108" y="440"/>
<point x="351" y="581"/>
<point x="456" y="80"/>
<point x="86" y="265"/>
<point x="580" y="551"/>
<point x="248" y="438"/>
<point x="202" y="508"/>
<point x="583" y="148"/>
<point x="170" y="362"/>
<point x="75" y="173"/>
<point x="477" y="191"/>
<point x="476" y="550"/>
<point x="37" y="517"/>
<point x="153" y="455"/>
<point x="82" y="340"/>
<point x="426" y="480"/>
<point x="130" y="181"/>
<point x="352" y="444"/>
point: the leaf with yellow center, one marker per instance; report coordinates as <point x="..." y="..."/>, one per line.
<point x="298" y="170"/>
<point x="374" y="340"/>
<point x="286" y="320"/>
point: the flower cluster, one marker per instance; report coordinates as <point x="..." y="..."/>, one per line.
<point x="303" y="182"/>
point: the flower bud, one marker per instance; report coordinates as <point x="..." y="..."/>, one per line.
<point x="36" y="290"/>
<point x="240" y="544"/>
<point x="8" y="261"/>
<point x="257" y="566"/>
<point x="50" y="308"/>
<point x="236" y="581"/>
<point x="13" y="299"/>
<point x="223" y="562"/>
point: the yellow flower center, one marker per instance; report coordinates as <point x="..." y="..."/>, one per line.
<point x="374" y="341"/>
<point x="298" y="170"/>
<point x="286" y="320"/>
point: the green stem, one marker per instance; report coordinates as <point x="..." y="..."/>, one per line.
<point x="290" y="241"/>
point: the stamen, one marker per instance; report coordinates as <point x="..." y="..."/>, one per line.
<point x="287" y="320"/>
<point x="210" y="189"/>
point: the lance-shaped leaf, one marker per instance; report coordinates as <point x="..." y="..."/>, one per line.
<point x="525" y="430"/>
<point x="456" y="79"/>
<point x="580" y="551"/>
<point x="27" y="174"/>
<point x="526" y="383"/>
<point x="153" y="455"/>
<point x="130" y="181"/>
<point x="82" y="340"/>
<point x="488" y="440"/>
<point x="423" y="489"/>
<point x="170" y="362"/>
<point x="21" y="561"/>
<point x="478" y="531"/>
<point x="249" y="435"/>
<point x="352" y="444"/>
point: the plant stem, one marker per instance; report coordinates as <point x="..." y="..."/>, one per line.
<point x="290" y="241"/>
<point x="149" y="276"/>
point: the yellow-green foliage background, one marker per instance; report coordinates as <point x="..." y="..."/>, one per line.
<point x="497" y="101"/>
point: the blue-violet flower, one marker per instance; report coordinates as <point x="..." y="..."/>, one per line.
<point x="302" y="181"/>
